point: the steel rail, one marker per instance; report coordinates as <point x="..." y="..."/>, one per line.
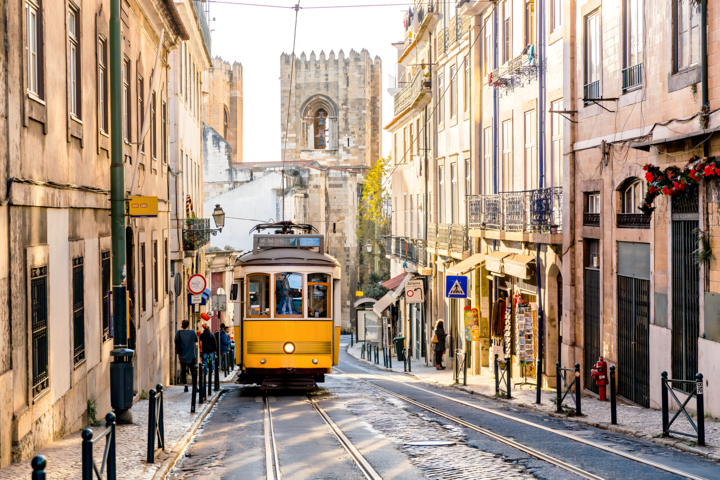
<point x="356" y="456"/>
<point x="525" y="422"/>
<point x="272" y="464"/>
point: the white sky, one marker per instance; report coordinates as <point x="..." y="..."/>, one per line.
<point x="257" y="36"/>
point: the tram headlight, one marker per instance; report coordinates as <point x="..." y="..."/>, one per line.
<point x="315" y="361"/>
<point x="289" y="347"/>
<point x="262" y="361"/>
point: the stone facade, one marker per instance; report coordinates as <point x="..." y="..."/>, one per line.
<point x="348" y="90"/>
<point x="223" y="103"/>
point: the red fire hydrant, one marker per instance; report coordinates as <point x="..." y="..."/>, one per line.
<point x="599" y="374"/>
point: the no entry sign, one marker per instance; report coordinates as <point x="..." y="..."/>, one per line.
<point x="197" y="284"/>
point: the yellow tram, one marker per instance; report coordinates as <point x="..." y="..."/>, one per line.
<point x="287" y="311"/>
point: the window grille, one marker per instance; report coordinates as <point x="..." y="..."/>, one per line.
<point x="105" y="273"/>
<point x="38" y="312"/>
<point x="78" y="310"/>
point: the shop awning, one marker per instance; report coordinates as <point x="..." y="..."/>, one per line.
<point x="394" y="282"/>
<point x="520" y="266"/>
<point x="401" y="288"/>
<point x="383" y="303"/>
<point x="468" y="264"/>
<point x="494" y="261"/>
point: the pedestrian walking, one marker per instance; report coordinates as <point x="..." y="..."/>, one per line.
<point x="209" y="346"/>
<point x="225" y="340"/>
<point x="438" y="342"/>
<point x="185" y="340"/>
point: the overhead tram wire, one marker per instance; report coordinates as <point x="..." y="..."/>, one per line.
<point x="243" y="4"/>
<point x="287" y="119"/>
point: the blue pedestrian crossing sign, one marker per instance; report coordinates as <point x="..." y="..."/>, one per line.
<point x="456" y="286"/>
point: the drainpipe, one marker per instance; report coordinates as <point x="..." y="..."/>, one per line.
<point x="704" y="72"/>
<point x="428" y="298"/>
<point x="121" y="367"/>
<point x="496" y="113"/>
<point x="541" y="177"/>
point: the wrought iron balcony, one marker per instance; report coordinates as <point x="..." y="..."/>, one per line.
<point x="633" y="220"/>
<point x="412" y="92"/>
<point x="396" y="247"/>
<point x="421" y="253"/>
<point x="458" y="238"/>
<point x="202" y="20"/>
<point x="443" y="240"/>
<point x="591" y="219"/>
<point x="592" y="90"/>
<point x="531" y="211"/>
<point x="432" y="230"/>
<point x="389" y="245"/>
<point x="196" y="233"/>
<point x="632" y="76"/>
<point x="452" y="31"/>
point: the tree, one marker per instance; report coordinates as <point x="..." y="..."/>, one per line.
<point x="373" y="285"/>
<point x="374" y="223"/>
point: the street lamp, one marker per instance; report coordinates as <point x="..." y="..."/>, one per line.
<point x="219" y="217"/>
<point x="369" y="246"/>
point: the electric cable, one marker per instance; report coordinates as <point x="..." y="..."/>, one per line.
<point x="287" y="120"/>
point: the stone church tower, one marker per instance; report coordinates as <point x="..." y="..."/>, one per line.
<point x="335" y="109"/>
<point x="223" y="103"/>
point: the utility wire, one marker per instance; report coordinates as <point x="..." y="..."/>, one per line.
<point x="287" y="119"/>
<point x="242" y="4"/>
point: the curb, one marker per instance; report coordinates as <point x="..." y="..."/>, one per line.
<point x="179" y="448"/>
<point x="663" y="441"/>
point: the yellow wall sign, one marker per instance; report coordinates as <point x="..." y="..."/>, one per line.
<point x="358" y="293"/>
<point x="143" y="206"/>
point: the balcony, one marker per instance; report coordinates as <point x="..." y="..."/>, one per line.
<point x="633" y="220"/>
<point x="196" y="233"/>
<point x="591" y="219"/>
<point x="452" y="32"/>
<point x="432" y="232"/>
<point x="632" y="76"/>
<point x="443" y="236"/>
<point x="530" y="211"/>
<point x="592" y="90"/>
<point x="413" y="93"/>
<point x="426" y="21"/>
<point x="458" y="239"/>
<point x="202" y="21"/>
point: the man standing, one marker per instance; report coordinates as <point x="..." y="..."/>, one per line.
<point x="185" y="341"/>
<point x="209" y="347"/>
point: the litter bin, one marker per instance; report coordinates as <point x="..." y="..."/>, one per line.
<point x="399" y="347"/>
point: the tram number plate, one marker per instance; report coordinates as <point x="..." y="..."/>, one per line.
<point x="196" y="299"/>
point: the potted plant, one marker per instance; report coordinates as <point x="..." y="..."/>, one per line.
<point x="426" y="81"/>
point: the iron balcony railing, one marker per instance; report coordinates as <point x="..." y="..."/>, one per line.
<point x="411" y="92"/>
<point x="452" y="32"/>
<point x="421" y="253"/>
<point x="533" y="211"/>
<point x="458" y="238"/>
<point x="432" y="230"/>
<point x="196" y="233"/>
<point x="632" y="76"/>
<point x="202" y="20"/>
<point x="633" y="220"/>
<point x="396" y="246"/>
<point x="443" y="240"/>
<point x="389" y="245"/>
<point x="592" y="90"/>
<point x="591" y="219"/>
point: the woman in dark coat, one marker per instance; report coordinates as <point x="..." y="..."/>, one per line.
<point x="439" y="347"/>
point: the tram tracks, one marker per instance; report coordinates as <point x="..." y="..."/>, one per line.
<point x="507" y="441"/>
<point x="271" y="445"/>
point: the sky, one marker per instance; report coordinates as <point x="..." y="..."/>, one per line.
<point x="257" y="36"/>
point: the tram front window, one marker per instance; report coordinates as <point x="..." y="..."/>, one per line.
<point x="288" y="294"/>
<point x="258" y="295"/>
<point x="318" y="295"/>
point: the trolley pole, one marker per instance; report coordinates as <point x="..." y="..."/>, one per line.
<point x="121" y="368"/>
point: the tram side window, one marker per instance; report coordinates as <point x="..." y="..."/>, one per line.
<point x="318" y="295"/>
<point x="288" y="295"/>
<point x="258" y="295"/>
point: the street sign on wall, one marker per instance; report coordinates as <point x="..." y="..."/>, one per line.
<point x="142" y="206"/>
<point x="456" y="286"/>
<point x="414" y="291"/>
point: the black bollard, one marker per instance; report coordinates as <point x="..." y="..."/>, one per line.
<point x="351" y="337"/>
<point x="151" y="428"/>
<point x="664" y="399"/>
<point x="201" y="383"/>
<point x="209" y="380"/>
<point x="507" y="376"/>
<point x="465" y="370"/>
<point x="497" y="375"/>
<point x="38" y="465"/>
<point x="700" y="408"/>
<point x="578" y="390"/>
<point x="217" y="373"/>
<point x="193" y="374"/>
<point x="161" y="416"/>
<point x="613" y="397"/>
<point x="111" y="451"/>
<point x="87" y="454"/>
<point x="558" y="387"/>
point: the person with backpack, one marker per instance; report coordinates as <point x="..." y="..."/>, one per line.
<point x="185" y="340"/>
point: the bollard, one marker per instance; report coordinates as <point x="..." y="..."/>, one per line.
<point x="507" y="376"/>
<point x="217" y="373"/>
<point x="351" y="337"/>
<point x="465" y="370"/>
<point x="201" y="383"/>
<point x="497" y="376"/>
<point x="193" y="374"/>
<point x="578" y="389"/>
<point x="389" y="358"/>
<point x="38" y="465"/>
<point x="161" y="416"/>
<point x="111" y="451"/>
<point x="209" y="380"/>
<point x="558" y="387"/>
<point x="613" y="397"/>
<point x="409" y="357"/>
<point x="87" y="454"/>
<point x="700" y="401"/>
<point x="664" y="400"/>
<point x="151" y="428"/>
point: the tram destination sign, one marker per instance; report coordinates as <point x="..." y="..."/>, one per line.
<point x="288" y="241"/>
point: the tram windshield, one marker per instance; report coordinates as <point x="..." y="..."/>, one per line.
<point x="258" y="295"/>
<point x="318" y="295"/>
<point x="289" y="294"/>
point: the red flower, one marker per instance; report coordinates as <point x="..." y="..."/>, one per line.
<point x="666" y="191"/>
<point x="709" y="171"/>
<point x="717" y="171"/>
<point x="677" y="186"/>
<point x="649" y="177"/>
<point x="693" y="175"/>
<point x="652" y="189"/>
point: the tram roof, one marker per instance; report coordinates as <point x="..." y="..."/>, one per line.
<point x="286" y="256"/>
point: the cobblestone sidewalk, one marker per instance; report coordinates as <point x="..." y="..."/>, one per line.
<point x="64" y="459"/>
<point x="632" y="420"/>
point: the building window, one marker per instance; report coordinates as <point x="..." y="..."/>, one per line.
<point x="320" y="129"/>
<point x="453" y="91"/>
<point x="166" y="279"/>
<point x="441" y="98"/>
<point x="488" y="47"/>
<point x="507" y="170"/>
<point x="225" y="124"/>
<point x="318" y="295"/>
<point x="141" y="112"/>
<point x="126" y="100"/>
<point x="405" y="215"/>
<point x="468" y="177"/>
<point x="592" y="203"/>
<point x="78" y="310"/>
<point x="593" y="257"/>
<point x="557" y="13"/>
<point x="143" y="279"/>
<point x="105" y="279"/>
<point x="529" y="22"/>
<point x="531" y="166"/>
<point x="395" y="154"/>
<point x="102" y="85"/>
<point x="466" y="85"/>
<point x="39" y="324"/>
<point x="592" y="55"/>
<point x="405" y="143"/>
<point x="411" y="144"/>
<point x="441" y="194"/>
<point x="153" y="124"/>
<point x="633" y="43"/>
<point x="164" y="132"/>
<point x="453" y="193"/>
<point x="34" y="47"/>
<point x="182" y="66"/>
<point x="74" y="62"/>
<point x="507" y="32"/>
<point x="419" y="209"/>
<point x="412" y="218"/>
<point x="556" y="154"/>
<point x="417" y="140"/>
<point x="632" y="197"/>
<point x="156" y="280"/>
<point x="687" y="34"/>
<point x="488" y="171"/>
